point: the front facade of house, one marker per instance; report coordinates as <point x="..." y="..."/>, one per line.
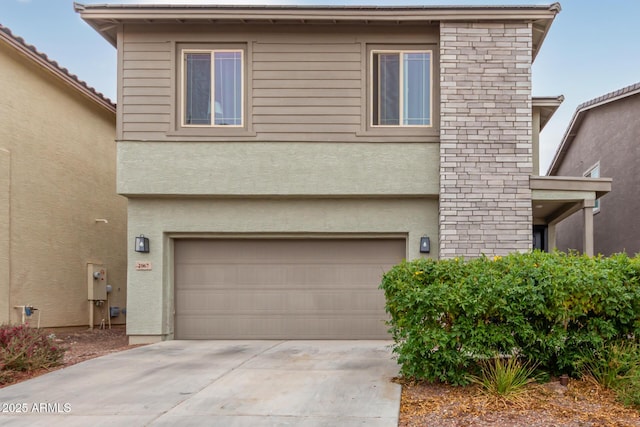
<point x="59" y="211"/>
<point x="602" y="140"/>
<point x="279" y="159"/>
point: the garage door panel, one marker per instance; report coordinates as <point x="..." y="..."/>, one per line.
<point x="277" y="302"/>
<point x="275" y="327"/>
<point x="329" y="276"/>
<point x="195" y="275"/>
<point x="282" y="288"/>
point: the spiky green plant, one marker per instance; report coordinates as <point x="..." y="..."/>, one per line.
<point x="505" y="378"/>
<point x="615" y="366"/>
<point x="610" y="364"/>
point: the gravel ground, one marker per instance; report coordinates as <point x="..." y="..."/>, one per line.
<point x="580" y="404"/>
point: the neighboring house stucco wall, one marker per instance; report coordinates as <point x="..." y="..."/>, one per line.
<point x="5" y="266"/>
<point x="57" y="176"/>
<point x="486" y="139"/>
<point x="163" y="219"/>
<point x="609" y="134"/>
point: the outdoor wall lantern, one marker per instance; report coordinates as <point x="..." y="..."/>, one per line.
<point x="425" y="245"/>
<point x="142" y="244"/>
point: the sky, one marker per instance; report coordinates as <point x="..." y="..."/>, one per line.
<point x="593" y="46"/>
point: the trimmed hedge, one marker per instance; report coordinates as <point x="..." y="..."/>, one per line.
<point x="546" y="307"/>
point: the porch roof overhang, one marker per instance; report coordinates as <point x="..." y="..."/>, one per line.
<point x="107" y="18"/>
<point x="547" y="105"/>
<point x="555" y="198"/>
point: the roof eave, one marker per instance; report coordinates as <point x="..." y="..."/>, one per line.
<point x="105" y="18"/>
<point x="548" y="105"/>
<point x="541" y="28"/>
<point x="57" y="71"/>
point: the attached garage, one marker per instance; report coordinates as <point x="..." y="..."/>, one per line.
<point x="282" y="288"/>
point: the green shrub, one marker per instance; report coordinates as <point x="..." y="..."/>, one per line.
<point x="447" y="315"/>
<point x="505" y="378"/>
<point x="25" y="349"/>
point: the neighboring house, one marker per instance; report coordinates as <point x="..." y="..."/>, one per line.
<point x="59" y="210"/>
<point x="603" y="139"/>
<point x="280" y="158"/>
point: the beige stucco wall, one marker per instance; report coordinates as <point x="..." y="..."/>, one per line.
<point x="57" y="175"/>
<point x="151" y="292"/>
<point x="5" y="174"/>
<point x="278" y="168"/>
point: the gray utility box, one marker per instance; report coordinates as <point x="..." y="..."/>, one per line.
<point x="97" y="282"/>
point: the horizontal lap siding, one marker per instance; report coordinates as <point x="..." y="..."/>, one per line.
<point x="304" y="83"/>
<point x="146" y="89"/>
<point x="301" y="88"/>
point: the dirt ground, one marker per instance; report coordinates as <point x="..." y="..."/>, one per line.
<point x="580" y="404"/>
<point x="84" y="344"/>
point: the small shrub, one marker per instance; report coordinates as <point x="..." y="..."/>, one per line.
<point x="505" y="379"/>
<point x="25" y="349"/>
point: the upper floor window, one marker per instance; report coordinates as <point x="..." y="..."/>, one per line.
<point x="594" y="172"/>
<point x="401" y="92"/>
<point x="213" y="87"/>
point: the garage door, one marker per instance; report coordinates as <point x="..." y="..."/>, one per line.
<point x="282" y="288"/>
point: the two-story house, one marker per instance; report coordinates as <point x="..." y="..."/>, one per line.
<point x="278" y="159"/>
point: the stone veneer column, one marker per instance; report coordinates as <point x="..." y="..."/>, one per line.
<point x="485" y="138"/>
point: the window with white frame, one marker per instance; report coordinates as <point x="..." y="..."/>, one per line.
<point x="401" y="87"/>
<point x="594" y="172"/>
<point x="212" y="87"/>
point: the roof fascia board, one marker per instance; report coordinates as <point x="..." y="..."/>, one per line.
<point x="547" y="101"/>
<point x="541" y="16"/>
<point x="570" y="183"/>
<point x="66" y="78"/>
<point x="124" y="13"/>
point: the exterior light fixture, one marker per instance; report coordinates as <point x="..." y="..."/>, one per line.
<point x="425" y="245"/>
<point x="142" y="244"/>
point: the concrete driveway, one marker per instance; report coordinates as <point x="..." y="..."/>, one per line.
<point x="219" y="383"/>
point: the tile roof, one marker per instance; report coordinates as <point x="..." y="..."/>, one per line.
<point x="620" y="93"/>
<point x="44" y="60"/>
